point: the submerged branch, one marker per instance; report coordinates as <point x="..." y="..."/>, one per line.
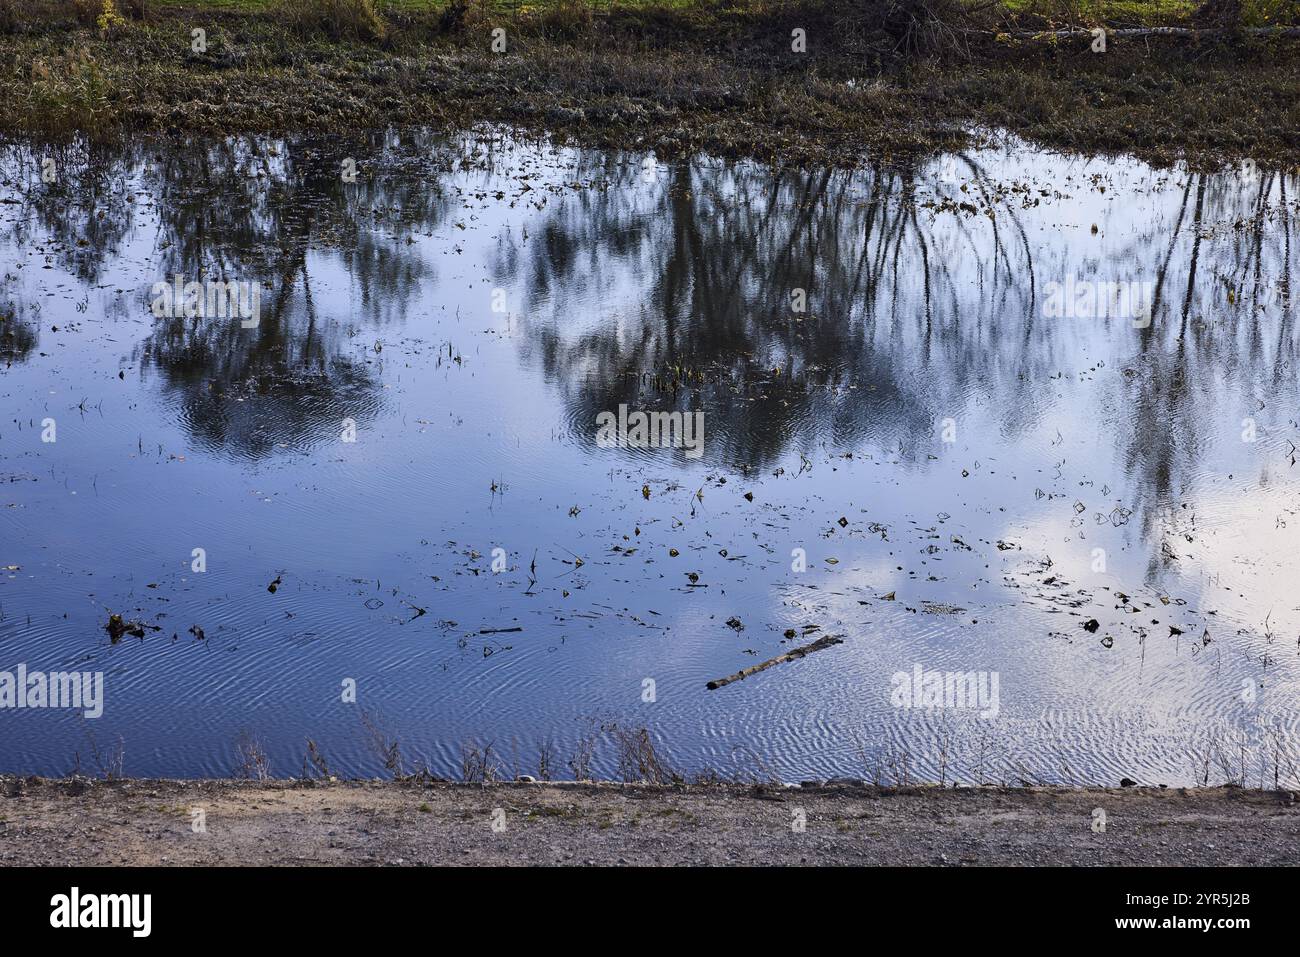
<point x="791" y="655"/>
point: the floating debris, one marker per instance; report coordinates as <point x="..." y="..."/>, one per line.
<point x="118" y="627"/>
<point x="825" y="641"/>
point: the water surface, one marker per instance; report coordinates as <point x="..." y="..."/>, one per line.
<point x="971" y="475"/>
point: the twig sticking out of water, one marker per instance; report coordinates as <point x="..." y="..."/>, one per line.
<point x="791" y="655"/>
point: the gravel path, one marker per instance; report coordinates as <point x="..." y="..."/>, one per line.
<point x="153" y="822"/>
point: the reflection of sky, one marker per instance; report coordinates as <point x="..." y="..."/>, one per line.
<point x="672" y="294"/>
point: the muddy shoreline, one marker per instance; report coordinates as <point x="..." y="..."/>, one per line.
<point x="719" y="80"/>
<point x="153" y="822"/>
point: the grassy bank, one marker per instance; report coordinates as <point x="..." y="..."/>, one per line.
<point x="893" y="78"/>
<point x="890" y="77"/>
<point x="76" y="822"/>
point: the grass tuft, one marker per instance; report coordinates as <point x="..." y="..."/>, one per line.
<point x="70" y="94"/>
<point x="336" y="19"/>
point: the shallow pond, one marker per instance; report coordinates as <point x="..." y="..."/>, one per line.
<point x="931" y="425"/>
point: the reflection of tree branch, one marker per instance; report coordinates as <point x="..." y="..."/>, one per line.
<point x="1149" y="331"/>
<point x="1196" y="251"/>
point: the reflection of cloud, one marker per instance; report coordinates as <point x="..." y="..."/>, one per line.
<point x="678" y="295"/>
<point x="682" y="294"/>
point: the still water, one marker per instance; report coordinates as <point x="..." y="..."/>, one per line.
<point x="922" y="433"/>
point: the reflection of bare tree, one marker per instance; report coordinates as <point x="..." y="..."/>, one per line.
<point x="253" y="211"/>
<point x="1232" y="323"/>
<point x="916" y="308"/>
<point x="18" y="334"/>
<point x="79" y="219"/>
<point x="721" y="256"/>
<point x="920" y="300"/>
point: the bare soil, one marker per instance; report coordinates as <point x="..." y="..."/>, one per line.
<point x="146" y="822"/>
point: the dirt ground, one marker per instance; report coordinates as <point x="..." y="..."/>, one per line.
<point x="135" y="822"/>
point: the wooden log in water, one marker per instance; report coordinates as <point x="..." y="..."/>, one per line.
<point x="824" y="642"/>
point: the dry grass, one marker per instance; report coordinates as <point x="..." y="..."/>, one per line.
<point x="69" y="93"/>
<point x="314" y="764"/>
<point x="252" y="761"/>
<point x="479" y="765"/>
<point x="109" y="761"/>
<point x="639" y="759"/>
<point x="384" y="744"/>
<point x="546" y="759"/>
<point x="580" y="761"/>
<point x="715" y="78"/>
<point x="336" y="19"/>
